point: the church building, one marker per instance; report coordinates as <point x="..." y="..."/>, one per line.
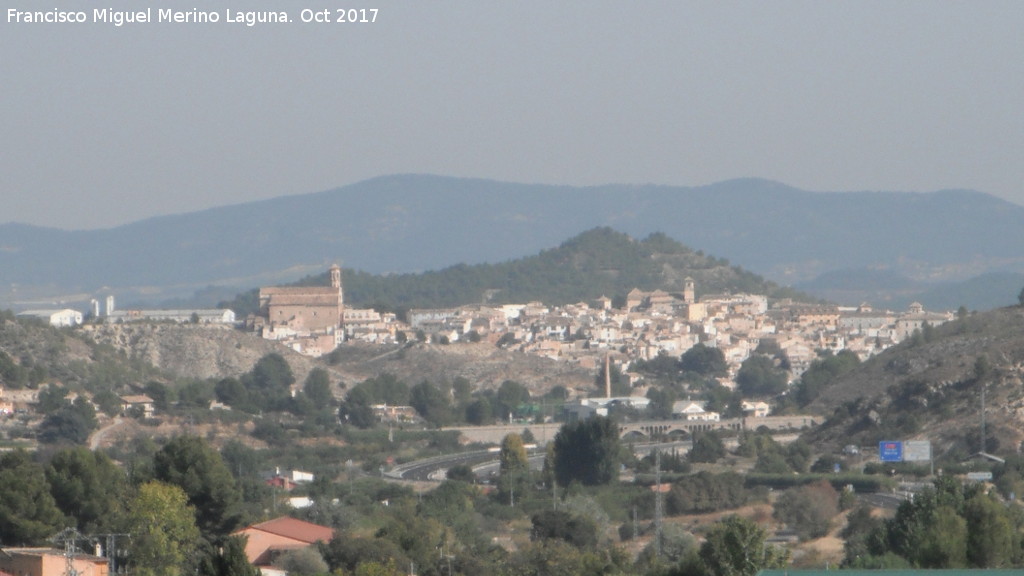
<point x="309" y="315"/>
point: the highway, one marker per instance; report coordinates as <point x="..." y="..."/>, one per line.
<point x="484" y="462"/>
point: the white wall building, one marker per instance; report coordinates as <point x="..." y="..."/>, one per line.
<point x="65" y="317"/>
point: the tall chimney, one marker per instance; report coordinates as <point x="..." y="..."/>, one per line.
<point x="607" y="376"/>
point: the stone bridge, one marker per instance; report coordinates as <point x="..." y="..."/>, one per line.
<point x="681" y="428"/>
<point x="637" y="430"/>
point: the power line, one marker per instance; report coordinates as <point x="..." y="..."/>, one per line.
<point x="68" y="540"/>
<point x="658" y="504"/>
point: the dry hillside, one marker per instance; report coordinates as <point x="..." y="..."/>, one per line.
<point x="930" y="388"/>
<point x="212" y="352"/>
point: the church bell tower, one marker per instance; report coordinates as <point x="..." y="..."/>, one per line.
<point x="336" y="284"/>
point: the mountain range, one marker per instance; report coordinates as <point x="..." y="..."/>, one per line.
<point x="890" y="246"/>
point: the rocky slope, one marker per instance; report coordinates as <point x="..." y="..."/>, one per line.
<point x="484" y="365"/>
<point x="214" y="352"/>
<point x="930" y="388"/>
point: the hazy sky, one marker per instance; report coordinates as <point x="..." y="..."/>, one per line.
<point x="103" y="125"/>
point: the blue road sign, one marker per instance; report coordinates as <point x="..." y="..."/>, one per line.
<point x="889" y="451"/>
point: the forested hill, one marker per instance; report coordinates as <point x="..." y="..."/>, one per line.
<point x="599" y="262"/>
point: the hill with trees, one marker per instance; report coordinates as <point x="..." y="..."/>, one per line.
<point x="599" y="262"/>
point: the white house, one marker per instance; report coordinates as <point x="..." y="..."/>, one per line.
<point x="65" y="317"/>
<point x="756" y="409"/>
<point x="693" y="412"/>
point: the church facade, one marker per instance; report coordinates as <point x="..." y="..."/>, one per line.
<point x="306" y="318"/>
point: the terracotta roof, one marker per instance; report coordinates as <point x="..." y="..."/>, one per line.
<point x="136" y="399"/>
<point x="272" y="290"/>
<point x="295" y="529"/>
<point x="304" y="299"/>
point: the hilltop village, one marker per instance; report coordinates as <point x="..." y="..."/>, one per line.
<point x="643" y="325"/>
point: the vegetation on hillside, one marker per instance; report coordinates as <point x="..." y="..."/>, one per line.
<point x="600" y="262"/>
<point x="928" y="387"/>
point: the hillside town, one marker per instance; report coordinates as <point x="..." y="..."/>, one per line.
<point x="314" y="320"/>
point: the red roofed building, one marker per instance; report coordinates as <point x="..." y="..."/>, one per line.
<point x="272" y="538"/>
<point x="304" y="308"/>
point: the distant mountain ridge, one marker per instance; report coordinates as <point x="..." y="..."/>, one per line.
<point x="410" y="223"/>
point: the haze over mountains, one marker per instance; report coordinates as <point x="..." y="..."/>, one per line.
<point x="887" y="246"/>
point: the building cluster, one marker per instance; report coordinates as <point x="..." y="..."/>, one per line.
<point x="307" y="319"/>
<point x="655" y="323"/>
<point x="314" y="320"/>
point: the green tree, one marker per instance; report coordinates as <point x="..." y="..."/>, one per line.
<point x="704" y="361"/>
<point x="302" y="562"/>
<point x="163" y="528"/>
<point x="588" y="451"/>
<point x="346" y="552"/>
<point x="705" y="492"/>
<point x="431" y="403"/>
<point x="512" y="458"/>
<point x="928" y="531"/>
<point x="822" y="373"/>
<point x="478" y="412"/>
<point x="161" y="395"/>
<point x="462" y="389"/>
<point x="378" y="568"/>
<point x="52" y="398"/>
<point x="982" y="368"/>
<point x="461" y="473"/>
<point x="232" y="392"/>
<point x="707" y="447"/>
<point x="12" y="374"/>
<point x="992" y="540"/>
<point x="514" y="468"/>
<point x="677" y="542"/>
<point x="230" y="560"/>
<point x="269" y="383"/>
<point x="196" y="394"/>
<point x="388" y="389"/>
<point x="863" y="532"/>
<point x="944" y="541"/>
<point x="70" y="424"/>
<point x="737" y="547"/>
<point x="759" y="376"/>
<point x="357" y="409"/>
<point x="108" y="402"/>
<point x="511" y="395"/>
<point x="87" y="486"/>
<point x="318" y="387"/>
<point x="449" y="503"/>
<point x="662" y="400"/>
<point x="28" y="512"/>
<point x="809" y="509"/>
<point x="575" y="529"/>
<point x="191" y="464"/>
